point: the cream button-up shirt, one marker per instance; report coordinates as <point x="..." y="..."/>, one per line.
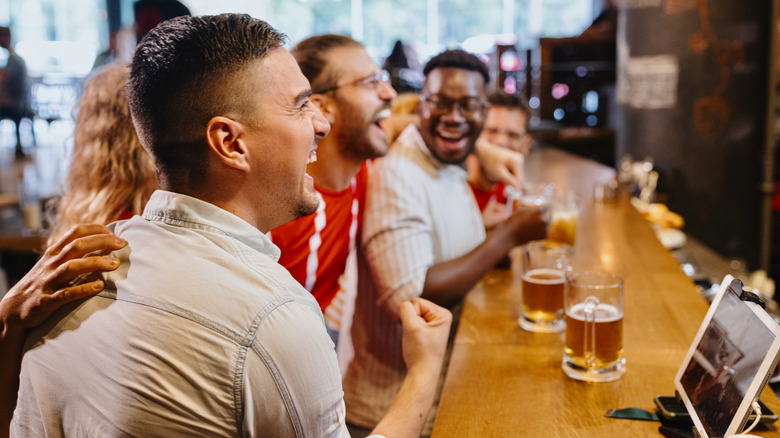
<point x="200" y="332"/>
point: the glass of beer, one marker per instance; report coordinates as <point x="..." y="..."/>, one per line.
<point x="565" y="215"/>
<point x="593" y="349"/>
<point x="545" y="265"/>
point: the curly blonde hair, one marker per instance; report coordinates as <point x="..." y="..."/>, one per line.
<point x="110" y="172"/>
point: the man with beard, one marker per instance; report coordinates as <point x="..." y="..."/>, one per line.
<point x="422" y="233"/>
<point x="350" y="90"/>
<point x="199" y="331"/>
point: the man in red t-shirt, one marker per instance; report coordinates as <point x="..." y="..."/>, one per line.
<point x="349" y="89"/>
<point x="506" y="126"/>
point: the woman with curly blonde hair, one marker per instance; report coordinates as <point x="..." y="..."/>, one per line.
<point x="111" y="176"/>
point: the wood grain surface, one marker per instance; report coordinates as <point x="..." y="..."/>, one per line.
<point x="504" y="381"/>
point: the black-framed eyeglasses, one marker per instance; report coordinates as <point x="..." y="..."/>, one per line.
<point x="374" y="81"/>
<point x="469" y="106"/>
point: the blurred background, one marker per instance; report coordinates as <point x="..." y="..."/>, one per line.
<point x="677" y="95"/>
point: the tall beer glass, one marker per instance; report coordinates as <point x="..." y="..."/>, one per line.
<point x="545" y="265"/>
<point x="594" y="327"/>
<point x="565" y="215"/>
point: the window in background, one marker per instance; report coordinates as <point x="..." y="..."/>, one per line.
<point x="558" y="18"/>
<point x="461" y="19"/>
<point x="55" y="36"/>
<point x="300" y="19"/>
<point x="428" y="26"/>
<point x="384" y="22"/>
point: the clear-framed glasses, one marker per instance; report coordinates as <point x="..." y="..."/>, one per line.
<point x="469" y="106"/>
<point x="374" y="81"/>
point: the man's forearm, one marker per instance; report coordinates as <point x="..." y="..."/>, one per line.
<point x="448" y="282"/>
<point x="500" y="164"/>
<point x="406" y="416"/>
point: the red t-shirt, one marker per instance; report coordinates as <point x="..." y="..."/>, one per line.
<point x="315" y="247"/>
<point x="483" y="197"/>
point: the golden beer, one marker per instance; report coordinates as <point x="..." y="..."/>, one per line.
<point x="606" y="333"/>
<point x="543" y="295"/>
<point x="563" y="228"/>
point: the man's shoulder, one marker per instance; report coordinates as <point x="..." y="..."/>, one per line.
<point x="406" y="166"/>
<point x="200" y="276"/>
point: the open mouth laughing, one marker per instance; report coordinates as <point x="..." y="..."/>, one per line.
<point x="451" y="139"/>
<point x="381" y="115"/>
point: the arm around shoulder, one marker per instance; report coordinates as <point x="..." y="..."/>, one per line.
<point x="44" y="290"/>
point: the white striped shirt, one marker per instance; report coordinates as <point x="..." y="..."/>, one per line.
<point x="419" y="212"/>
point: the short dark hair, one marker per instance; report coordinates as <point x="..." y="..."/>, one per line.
<point x="312" y="57"/>
<point x="511" y="101"/>
<point x="185" y="72"/>
<point x="458" y="59"/>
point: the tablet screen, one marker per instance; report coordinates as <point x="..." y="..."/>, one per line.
<point x="726" y="362"/>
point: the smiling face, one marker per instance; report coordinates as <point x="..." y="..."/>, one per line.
<point x="506" y="127"/>
<point x="450" y="131"/>
<point x="283" y="133"/>
<point x="360" y="102"/>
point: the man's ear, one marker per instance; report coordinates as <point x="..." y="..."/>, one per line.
<point x="225" y="139"/>
<point x="326" y="105"/>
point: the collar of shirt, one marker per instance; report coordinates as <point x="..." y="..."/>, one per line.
<point x="182" y="210"/>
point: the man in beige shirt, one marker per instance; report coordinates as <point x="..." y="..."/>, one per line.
<point x="423" y="233"/>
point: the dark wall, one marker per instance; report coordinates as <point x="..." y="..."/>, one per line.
<point x="709" y="146"/>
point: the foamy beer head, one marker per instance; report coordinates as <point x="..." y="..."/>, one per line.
<point x="594" y="327"/>
<point x="565" y="216"/>
<point x="545" y="265"/>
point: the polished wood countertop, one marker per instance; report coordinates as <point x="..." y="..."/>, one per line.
<point x="504" y="381"/>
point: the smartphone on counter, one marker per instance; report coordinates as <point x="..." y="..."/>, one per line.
<point x="673" y="409"/>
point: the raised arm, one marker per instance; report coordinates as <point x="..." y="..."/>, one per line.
<point x="500" y="164"/>
<point x="42" y="291"/>
<point x="426" y="327"/>
<point x="448" y="282"/>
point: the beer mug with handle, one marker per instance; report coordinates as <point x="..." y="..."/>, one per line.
<point x="594" y="327"/>
<point x="545" y="265"/>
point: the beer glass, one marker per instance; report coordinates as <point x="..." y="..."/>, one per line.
<point x="545" y="265"/>
<point x="593" y="349"/>
<point x="565" y="215"/>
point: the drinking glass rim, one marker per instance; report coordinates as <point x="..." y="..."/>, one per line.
<point x="617" y="280"/>
<point x="549" y="245"/>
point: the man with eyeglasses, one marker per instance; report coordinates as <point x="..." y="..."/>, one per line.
<point x="354" y="96"/>
<point x="506" y="126"/>
<point x="423" y="234"/>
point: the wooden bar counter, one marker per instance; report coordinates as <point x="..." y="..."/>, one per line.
<point x="504" y="381"/>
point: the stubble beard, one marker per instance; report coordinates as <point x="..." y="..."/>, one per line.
<point x="306" y="205"/>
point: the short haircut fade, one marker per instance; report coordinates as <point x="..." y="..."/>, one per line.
<point x="186" y="71"/>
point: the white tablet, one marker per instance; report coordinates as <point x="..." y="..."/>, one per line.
<point x="731" y="358"/>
